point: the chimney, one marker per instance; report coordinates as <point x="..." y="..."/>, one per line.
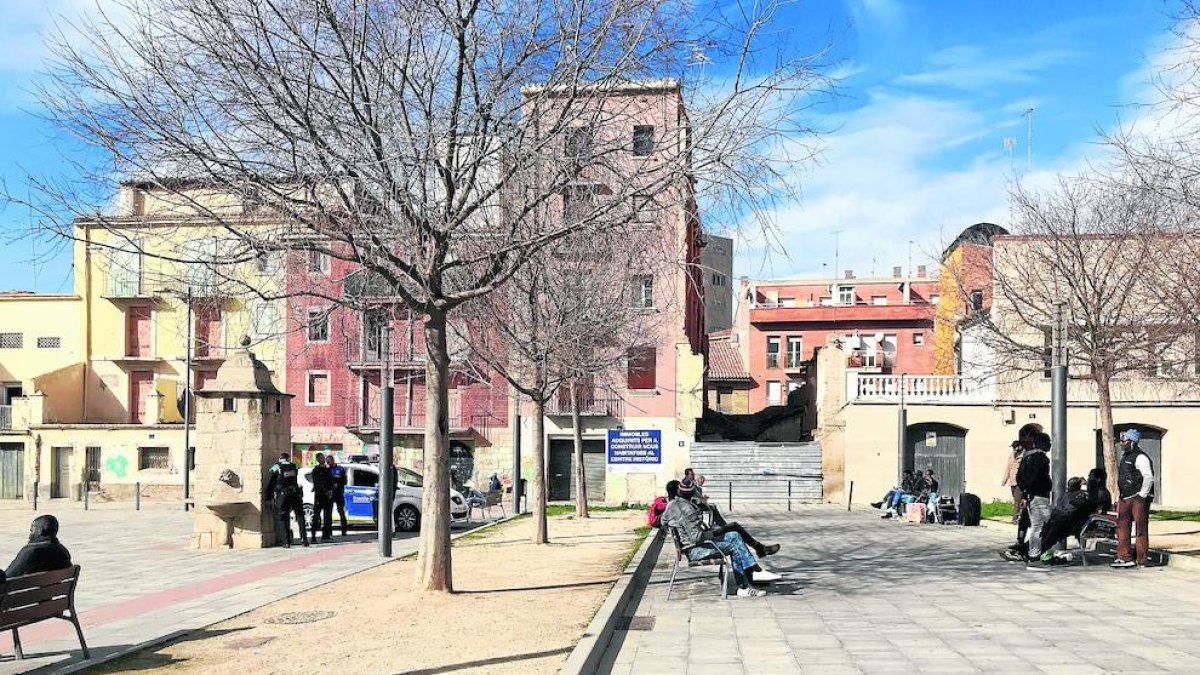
<point x="897" y="272"/>
<point x="849" y="274"/>
<point x="920" y="271"/>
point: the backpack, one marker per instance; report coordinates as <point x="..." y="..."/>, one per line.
<point x="656" y="510"/>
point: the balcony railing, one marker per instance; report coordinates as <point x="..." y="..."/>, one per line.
<point x="876" y="359"/>
<point x="367" y="416"/>
<point x="6" y="418"/>
<point x="917" y="388"/>
<point x="125" y="283"/>
<point x="591" y="404"/>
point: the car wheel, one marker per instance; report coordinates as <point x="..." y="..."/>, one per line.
<point x="408" y="519"/>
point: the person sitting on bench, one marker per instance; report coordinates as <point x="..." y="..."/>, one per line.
<point x="700" y="499"/>
<point x="896" y="499"/>
<point x="43" y="553"/>
<point x="1066" y="518"/>
<point x="1097" y="488"/>
<point x="731" y="539"/>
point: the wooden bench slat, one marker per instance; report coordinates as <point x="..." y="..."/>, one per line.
<point x="40" y="579"/>
<point x="36" y="595"/>
<point x="46" y="610"/>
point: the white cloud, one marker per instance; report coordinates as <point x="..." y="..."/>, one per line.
<point x="972" y="68"/>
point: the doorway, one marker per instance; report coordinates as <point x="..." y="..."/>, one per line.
<point x="941" y="447"/>
<point x="12" y="470"/>
<point x="562" y="469"/>
<point x="60" y="477"/>
<point x="141" y="383"/>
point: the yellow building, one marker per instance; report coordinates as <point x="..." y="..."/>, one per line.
<point x="139" y="274"/>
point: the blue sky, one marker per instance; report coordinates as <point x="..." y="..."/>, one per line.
<point x="913" y="148"/>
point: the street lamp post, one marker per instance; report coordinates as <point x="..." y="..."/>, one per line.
<point x="187" y="395"/>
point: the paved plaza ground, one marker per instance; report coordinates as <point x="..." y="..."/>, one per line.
<point x="140" y="582"/>
<point x="872" y="596"/>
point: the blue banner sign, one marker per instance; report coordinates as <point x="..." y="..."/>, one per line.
<point x="631" y="446"/>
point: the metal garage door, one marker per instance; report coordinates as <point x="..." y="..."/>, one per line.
<point x="562" y="469"/>
<point x="943" y="448"/>
<point x="1151" y="444"/>
<point x="12" y="470"/>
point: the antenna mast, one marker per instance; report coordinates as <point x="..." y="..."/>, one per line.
<point x="1028" y="139"/>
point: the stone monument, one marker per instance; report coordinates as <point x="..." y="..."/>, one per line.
<point x="243" y="424"/>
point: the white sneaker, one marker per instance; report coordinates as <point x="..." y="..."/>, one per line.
<point x="764" y="576"/>
<point x="750" y="592"/>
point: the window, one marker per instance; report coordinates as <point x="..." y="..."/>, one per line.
<point x="278" y="406"/>
<point x="264" y="262"/>
<point x="578" y="142"/>
<point x="154" y="459"/>
<point x="935" y="298"/>
<point x="643" y="208"/>
<point x="318" y="325"/>
<point x="774" y="392"/>
<point x="643" y="140"/>
<point x="795" y="351"/>
<point x="228" y="404"/>
<point x="92" y="466"/>
<point x="375" y="335"/>
<point x="773" y="352"/>
<point x="11" y="340"/>
<point x="318" y="262"/>
<point x="642" y="370"/>
<point x="825" y="301"/>
<point x="878" y="299"/>
<point x="977" y="299"/>
<point x="577" y="203"/>
<point x="360" y="477"/>
<point x="787" y="302"/>
<point x="718" y="279"/>
<point x="918" y="338"/>
<point x="317" y="389"/>
<point x="887" y="349"/>
<point x="643" y="291"/>
<point x="845" y="295"/>
<point x="264" y="319"/>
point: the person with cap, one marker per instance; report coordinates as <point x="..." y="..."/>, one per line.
<point x="284" y="487"/>
<point x="698" y="539"/>
<point x="43" y="553"/>
<point x="1033" y="477"/>
<point x="1135" y="491"/>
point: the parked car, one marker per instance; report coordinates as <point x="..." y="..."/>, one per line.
<point x="362" y="491"/>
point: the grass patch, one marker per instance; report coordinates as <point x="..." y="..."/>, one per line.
<point x="996" y="509"/>
<point x="1190" y="516"/>
<point x="569" y="509"/>
<point x="639" y="536"/>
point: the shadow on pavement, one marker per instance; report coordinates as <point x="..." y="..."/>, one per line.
<point x="488" y="662"/>
<point x="127" y="658"/>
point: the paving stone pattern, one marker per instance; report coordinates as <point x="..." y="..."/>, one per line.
<point x="863" y="595"/>
<point x="140" y="582"/>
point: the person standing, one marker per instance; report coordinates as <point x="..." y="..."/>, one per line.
<point x="1135" y="489"/>
<point x="283" y="485"/>
<point x="1033" y="477"/>
<point x="337" y="475"/>
<point x="1010" y="476"/>
<point x="322" y="481"/>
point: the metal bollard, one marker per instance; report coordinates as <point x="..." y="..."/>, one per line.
<point x="789" y="495"/>
<point x="137" y="497"/>
<point x="850" y="497"/>
<point x="35" y="495"/>
<point x="86" y="492"/>
<point x="730" y="497"/>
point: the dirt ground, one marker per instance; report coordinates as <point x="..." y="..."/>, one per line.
<point x="517" y="609"/>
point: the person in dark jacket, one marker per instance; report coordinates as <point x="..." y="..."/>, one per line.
<point x="322" y="480"/>
<point x="1097" y="488"/>
<point x="284" y="488"/>
<point x="1033" y="477"/>
<point x="337" y="475"/>
<point x="1066" y="518"/>
<point x="43" y="553"/>
<point x="1135" y="486"/>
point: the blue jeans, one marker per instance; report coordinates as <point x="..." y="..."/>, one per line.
<point x="731" y="544"/>
<point x="901" y="497"/>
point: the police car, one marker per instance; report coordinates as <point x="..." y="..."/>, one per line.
<point x="362" y="491"/>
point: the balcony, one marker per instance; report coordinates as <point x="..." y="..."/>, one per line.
<point x="6" y="418"/>
<point x="871" y="359"/>
<point x="364" y="416"/>
<point x="591" y="404"/>
<point x="871" y="388"/>
<point x="126" y="284"/>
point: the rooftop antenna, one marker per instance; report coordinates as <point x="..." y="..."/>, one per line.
<point x="1010" y="144"/>
<point x="837" y="239"/>
<point x="1028" y="139"/>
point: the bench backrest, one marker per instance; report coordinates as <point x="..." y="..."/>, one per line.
<point x="678" y="542"/>
<point x="493" y="498"/>
<point x="33" y="597"/>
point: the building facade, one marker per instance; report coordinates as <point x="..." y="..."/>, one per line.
<point x="718" y="283"/>
<point x="887" y="325"/>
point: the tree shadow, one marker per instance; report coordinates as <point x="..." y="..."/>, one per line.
<point x="479" y="663"/>
<point x="550" y="587"/>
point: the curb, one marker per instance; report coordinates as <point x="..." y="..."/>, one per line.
<point x="155" y="643"/>
<point x="585" y="657"/>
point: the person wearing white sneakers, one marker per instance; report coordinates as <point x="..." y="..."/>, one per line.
<point x="686" y="518"/>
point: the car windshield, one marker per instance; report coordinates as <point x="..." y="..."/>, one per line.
<point x="409" y="477"/>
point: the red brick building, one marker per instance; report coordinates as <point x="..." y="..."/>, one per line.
<point x="335" y="365"/>
<point x="888" y="324"/>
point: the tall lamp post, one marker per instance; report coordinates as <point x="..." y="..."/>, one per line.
<point x="187" y="397"/>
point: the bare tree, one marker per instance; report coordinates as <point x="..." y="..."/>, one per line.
<point x="401" y="136"/>
<point x="1091" y="243"/>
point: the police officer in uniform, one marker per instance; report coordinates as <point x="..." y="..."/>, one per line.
<point x="337" y="474"/>
<point x="322" y="482"/>
<point x="285" y="489"/>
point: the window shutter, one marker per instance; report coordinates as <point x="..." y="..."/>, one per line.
<point x="643" y="368"/>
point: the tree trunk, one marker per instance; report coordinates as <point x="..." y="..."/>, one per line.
<point x="433" y="550"/>
<point x="1104" y="394"/>
<point x="581" y="504"/>
<point x="539" y="472"/>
